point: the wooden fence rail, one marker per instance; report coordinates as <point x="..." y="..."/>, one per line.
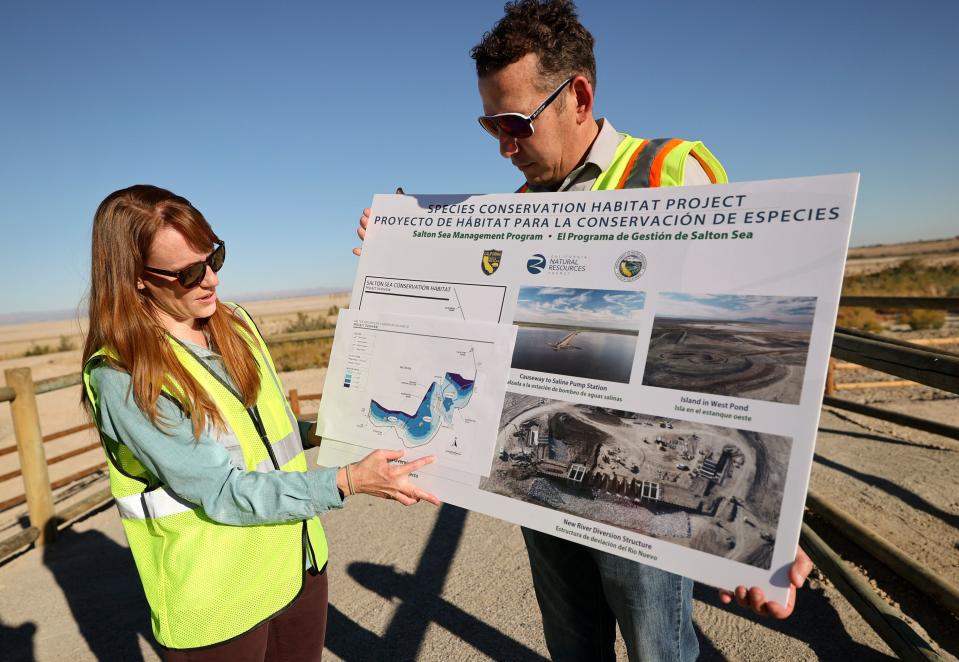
<point x="932" y="367"/>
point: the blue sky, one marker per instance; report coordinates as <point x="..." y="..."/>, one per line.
<point x="279" y="121"/>
<point x="612" y="309"/>
<point x="794" y="311"/>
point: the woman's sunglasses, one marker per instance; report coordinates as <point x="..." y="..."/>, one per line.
<point x="192" y="275"/>
<point x="517" y="125"/>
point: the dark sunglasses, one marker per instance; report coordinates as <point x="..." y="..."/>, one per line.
<point x="192" y="275"/>
<point x="517" y="125"/>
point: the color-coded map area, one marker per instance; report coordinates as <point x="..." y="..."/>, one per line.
<point x="436" y="410"/>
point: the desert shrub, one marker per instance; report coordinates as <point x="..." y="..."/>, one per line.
<point x="864" y="319"/>
<point x="66" y="344"/>
<point x="304" y="322"/>
<point x="922" y="319"/>
<point x="333" y="311"/>
<point x="39" y="350"/>
<point x="908" y="278"/>
<point x="301" y="354"/>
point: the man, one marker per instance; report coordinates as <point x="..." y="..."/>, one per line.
<point x="536" y="74"/>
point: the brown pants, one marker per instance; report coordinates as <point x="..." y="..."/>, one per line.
<point x="296" y="635"/>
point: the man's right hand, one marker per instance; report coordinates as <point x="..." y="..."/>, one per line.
<point x="365" y="220"/>
<point x="361" y="231"/>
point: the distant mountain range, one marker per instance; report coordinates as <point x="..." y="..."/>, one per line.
<point x="70" y="313"/>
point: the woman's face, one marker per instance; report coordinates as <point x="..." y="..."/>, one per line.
<point x="178" y="305"/>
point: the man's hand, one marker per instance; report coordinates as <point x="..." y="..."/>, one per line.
<point x="361" y="231"/>
<point x="365" y="221"/>
<point x="754" y="599"/>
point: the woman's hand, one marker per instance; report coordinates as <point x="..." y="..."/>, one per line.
<point x="375" y="475"/>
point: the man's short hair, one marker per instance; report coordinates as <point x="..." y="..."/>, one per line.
<point x="549" y="28"/>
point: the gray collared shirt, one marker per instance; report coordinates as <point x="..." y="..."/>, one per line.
<point x="600" y="156"/>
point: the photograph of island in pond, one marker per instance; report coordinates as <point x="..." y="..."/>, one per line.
<point x="577" y="332"/>
<point x="741" y="345"/>
<point x="710" y="488"/>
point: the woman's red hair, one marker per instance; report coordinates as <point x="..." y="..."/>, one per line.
<point x="124" y="320"/>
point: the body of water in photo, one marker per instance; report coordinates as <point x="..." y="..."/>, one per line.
<point x="591" y="354"/>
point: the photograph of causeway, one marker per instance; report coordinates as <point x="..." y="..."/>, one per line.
<point x="577" y="332"/>
<point x="714" y="489"/>
<point x="740" y="345"/>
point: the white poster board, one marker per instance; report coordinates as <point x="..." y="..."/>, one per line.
<point x="669" y="363"/>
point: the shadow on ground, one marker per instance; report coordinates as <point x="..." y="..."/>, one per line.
<point x="16" y="643"/>
<point x="891" y="488"/>
<point x="102" y="587"/>
<point x="420" y="605"/>
<point x="814" y="621"/>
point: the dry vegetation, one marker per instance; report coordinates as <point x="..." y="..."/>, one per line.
<point x="912" y="276"/>
<point x="301" y="354"/>
<point x="907" y="249"/>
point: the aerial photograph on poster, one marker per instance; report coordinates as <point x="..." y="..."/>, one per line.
<point x="746" y="346"/>
<point x="577" y="332"/>
<point x="714" y="489"/>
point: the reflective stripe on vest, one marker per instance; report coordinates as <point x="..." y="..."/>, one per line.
<point x="640" y="163"/>
<point x="285" y="450"/>
<point x="156" y="503"/>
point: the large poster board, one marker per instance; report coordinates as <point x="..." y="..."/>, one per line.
<point x="669" y="361"/>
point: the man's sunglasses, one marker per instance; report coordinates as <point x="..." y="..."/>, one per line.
<point x="192" y="275"/>
<point x="517" y="125"/>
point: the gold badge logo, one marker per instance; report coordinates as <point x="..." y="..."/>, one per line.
<point x="491" y="261"/>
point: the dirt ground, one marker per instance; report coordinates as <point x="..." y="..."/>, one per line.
<point x="442" y="584"/>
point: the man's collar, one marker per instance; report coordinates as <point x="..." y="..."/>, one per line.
<point x="604" y="147"/>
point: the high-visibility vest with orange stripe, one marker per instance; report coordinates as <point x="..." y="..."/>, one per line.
<point x="641" y="163"/>
<point x="208" y="582"/>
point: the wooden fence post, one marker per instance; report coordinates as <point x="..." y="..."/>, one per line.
<point x="33" y="461"/>
<point x="831" y="377"/>
<point x="295" y="402"/>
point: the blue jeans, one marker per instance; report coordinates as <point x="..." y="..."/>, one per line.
<point x="583" y="592"/>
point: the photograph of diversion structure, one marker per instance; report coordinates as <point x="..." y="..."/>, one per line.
<point x="714" y="489"/>
<point x="577" y="332"/>
<point x="740" y="345"/>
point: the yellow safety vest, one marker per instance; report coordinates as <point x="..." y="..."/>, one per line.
<point x="641" y="163"/>
<point x="208" y="582"/>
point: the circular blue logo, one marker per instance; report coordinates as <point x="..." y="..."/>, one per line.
<point x="536" y="264"/>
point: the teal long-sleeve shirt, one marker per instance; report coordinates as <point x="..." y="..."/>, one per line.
<point x="201" y="470"/>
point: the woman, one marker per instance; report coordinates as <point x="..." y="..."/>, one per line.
<point x="206" y="459"/>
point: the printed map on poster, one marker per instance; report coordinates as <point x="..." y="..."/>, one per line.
<point x="428" y="386"/>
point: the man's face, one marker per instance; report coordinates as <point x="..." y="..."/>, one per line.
<point x="546" y="157"/>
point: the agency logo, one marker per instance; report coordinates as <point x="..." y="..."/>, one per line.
<point x="630" y="266"/>
<point x="491" y="261"/>
<point x="536" y="264"/>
